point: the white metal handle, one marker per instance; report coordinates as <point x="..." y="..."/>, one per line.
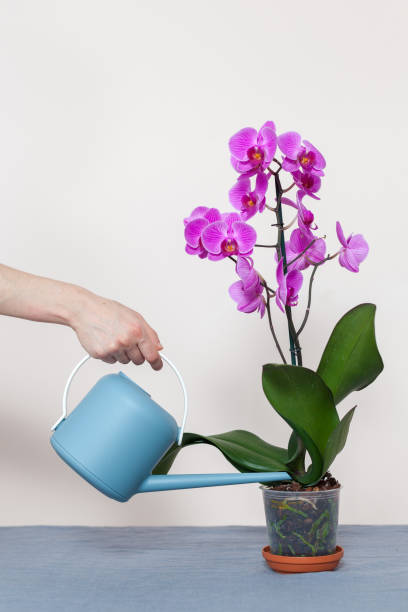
<point x="81" y="363"/>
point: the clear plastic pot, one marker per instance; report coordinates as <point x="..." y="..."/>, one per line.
<point x="302" y="523"/>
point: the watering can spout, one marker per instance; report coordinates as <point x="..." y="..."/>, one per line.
<point x="164" y="482"/>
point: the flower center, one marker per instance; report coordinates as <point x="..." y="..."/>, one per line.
<point x="248" y="201"/>
<point x="229" y="246"/>
<point x="307" y="181"/>
<point x="306" y="160"/>
<point x="255" y="154"/>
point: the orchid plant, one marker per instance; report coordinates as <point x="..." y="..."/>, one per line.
<point x="306" y="399"/>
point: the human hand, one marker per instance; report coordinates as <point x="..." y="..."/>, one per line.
<point x="112" y="332"/>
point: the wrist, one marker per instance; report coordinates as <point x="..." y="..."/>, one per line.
<point x="77" y="300"/>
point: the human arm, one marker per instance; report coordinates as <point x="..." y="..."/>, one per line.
<point x="106" y="329"/>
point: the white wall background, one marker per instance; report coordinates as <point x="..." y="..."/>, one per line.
<point x="115" y="118"/>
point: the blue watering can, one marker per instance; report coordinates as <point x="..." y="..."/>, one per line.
<point x="117" y="434"/>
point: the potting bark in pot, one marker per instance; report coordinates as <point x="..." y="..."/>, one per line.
<point x="301" y="516"/>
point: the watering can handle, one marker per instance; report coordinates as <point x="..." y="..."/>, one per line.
<point x="81" y="363"/>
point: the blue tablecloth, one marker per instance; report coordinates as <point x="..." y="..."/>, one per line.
<point x="193" y="569"/>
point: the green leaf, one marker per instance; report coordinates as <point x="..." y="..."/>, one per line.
<point x="337" y="440"/>
<point x="296" y="454"/>
<point x="165" y="463"/>
<point x="248" y="452"/>
<point x="351" y="359"/>
<point x="243" y="449"/>
<point x="315" y="469"/>
<point x="301" y="397"/>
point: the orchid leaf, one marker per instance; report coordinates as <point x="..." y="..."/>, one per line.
<point x="351" y="360"/>
<point x="301" y="397"/>
<point x="243" y="449"/>
<point x="165" y="463"/>
<point x="337" y="440"/>
<point x="315" y="469"/>
<point x="296" y="454"/>
<point x="304" y="401"/>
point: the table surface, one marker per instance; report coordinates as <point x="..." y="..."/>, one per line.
<point x="193" y="569"/>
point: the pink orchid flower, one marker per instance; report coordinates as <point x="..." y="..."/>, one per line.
<point x="305" y="217"/>
<point x="298" y="155"/>
<point x="230" y="236"/>
<point x="194" y="225"/>
<point x="307" y="182"/>
<point x="253" y="151"/>
<point x="246" y="201"/>
<point x="289" y="285"/>
<point x="298" y="242"/>
<point x="355" y="249"/>
<point x="247" y="292"/>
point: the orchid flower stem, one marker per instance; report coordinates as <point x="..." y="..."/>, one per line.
<point x="309" y="302"/>
<point x="274" y="172"/>
<point x="288" y="188"/>
<point x="302" y="253"/>
<point x="286" y="227"/>
<point x="268" y="310"/>
<point x="295" y="350"/>
<point x="270" y="291"/>
<point x="309" y="299"/>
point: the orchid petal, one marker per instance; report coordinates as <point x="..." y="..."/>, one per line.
<point x="250" y="306"/>
<point x="196" y="213"/>
<point x="262" y="205"/>
<point x="289" y="144"/>
<point x="245" y="235"/>
<point x="217" y="257"/>
<point x="316" y="172"/>
<point x="213" y="235"/>
<point x="298" y="241"/>
<point x="242" y="167"/>
<point x="240" y="142"/>
<point x="193" y="231"/>
<point x="196" y="251"/>
<point x="269" y="141"/>
<point x="359" y="247"/>
<point x="269" y="124"/>
<point x="212" y="215"/>
<point x="290" y="165"/>
<point x="229" y="219"/>
<point x="294" y="280"/>
<point x="279" y="302"/>
<point x="320" y="162"/>
<point x="241" y="188"/>
<point x="348" y="261"/>
<point x="281" y="292"/>
<point x="248" y="213"/>
<point x="244" y="267"/>
<point x="317" y="251"/>
<point x="237" y="293"/>
<point x="340" y="234"/>
<point x="261" y="185"/>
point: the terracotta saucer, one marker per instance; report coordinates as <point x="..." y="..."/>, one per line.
<point x="296" y="565"/>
